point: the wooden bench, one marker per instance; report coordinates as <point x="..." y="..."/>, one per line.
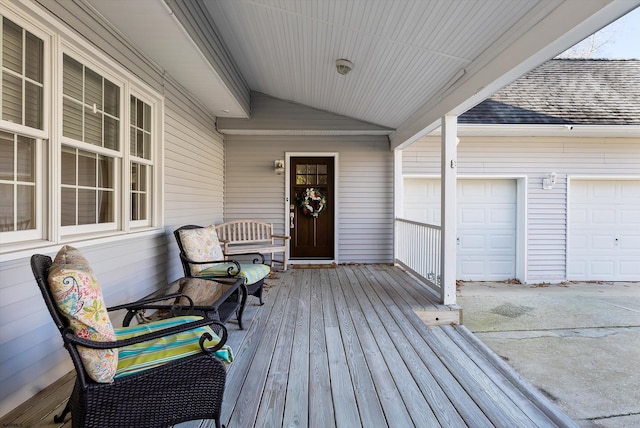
<point x="250" y="236"/>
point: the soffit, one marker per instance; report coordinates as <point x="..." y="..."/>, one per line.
<point x="415" y="60"/>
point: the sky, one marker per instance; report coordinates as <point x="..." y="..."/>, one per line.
<point x="620" y="39"/>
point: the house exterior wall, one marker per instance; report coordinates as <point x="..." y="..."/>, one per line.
<point x="364" y="180"/>
<point x="534" y="157"/>
<point x="128" y="266"/>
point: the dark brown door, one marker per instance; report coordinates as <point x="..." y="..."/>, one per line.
<point x="312" y="225"/>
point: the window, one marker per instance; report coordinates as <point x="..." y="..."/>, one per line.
<point x="90" y="115"/>
<point x="17" y="183"/>
<point x="21" y="109"/>
<point x="95" y="174"/>
<point x="141" y="160"/>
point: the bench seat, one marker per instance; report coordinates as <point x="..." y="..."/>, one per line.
<point x="251" y="236"/>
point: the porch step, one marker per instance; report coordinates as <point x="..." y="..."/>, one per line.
<point x="443" y="315"/>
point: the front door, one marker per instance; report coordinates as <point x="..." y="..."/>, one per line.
<point x="312" y="208"/>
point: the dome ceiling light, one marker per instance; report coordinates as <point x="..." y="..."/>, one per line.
<point x="344" y="66"/>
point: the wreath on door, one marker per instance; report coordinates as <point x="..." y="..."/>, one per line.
<point x="312" y="202"/>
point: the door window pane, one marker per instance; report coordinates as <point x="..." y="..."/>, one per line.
<point x="311" y="174"/>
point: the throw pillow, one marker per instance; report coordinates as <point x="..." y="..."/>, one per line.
<point x="201" y="245"/>
<point x="77" y="294"/>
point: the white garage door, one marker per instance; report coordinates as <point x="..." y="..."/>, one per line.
<point x="486" y="223"/>
<point x="604" y="230"/>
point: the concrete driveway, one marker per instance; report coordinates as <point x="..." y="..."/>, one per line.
<point x="578" y="343"/>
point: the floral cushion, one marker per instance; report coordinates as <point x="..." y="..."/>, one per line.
<point x="77" y="294"/>
<point x="142" y="356"/>
<point x="201" y="245"/>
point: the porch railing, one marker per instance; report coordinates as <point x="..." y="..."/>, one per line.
<point x="418" y="250"/>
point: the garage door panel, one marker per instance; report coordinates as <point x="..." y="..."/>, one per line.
<point x="603" y="217"/>
<point x="604" y="230"/>
<point x="486" y="222"/>
<point x="471" y="242"/>
<point x="629" y="267"/>
<point x="602" y="242"/>
<point x="502" y="242"/>
<point x="602" y="267"/>
<point x="629" y="217"/>
<point x="502" y="216"/>
<point x="472" y="215"/>
<point x="470" y="267"/>
<point x="630" y="243"/>
<point x="503" y="267"/>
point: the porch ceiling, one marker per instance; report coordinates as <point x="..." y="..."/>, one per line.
<point x="414" y="60"/>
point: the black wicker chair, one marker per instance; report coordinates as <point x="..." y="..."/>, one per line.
<point x="186" y="389"/>
<point x="254" y="289"/>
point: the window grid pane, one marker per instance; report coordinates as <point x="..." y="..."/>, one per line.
<point x="88" y="188"/>
<point x="311" y="174"/>
<point x="22" y="76"/>
<point x="140" y="129"/>
<point x="17" y="183"/>
<point x="139" y="191"/>
<point x="91" y="106"/>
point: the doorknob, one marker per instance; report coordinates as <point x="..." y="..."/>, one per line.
<point x="291" y="219"/>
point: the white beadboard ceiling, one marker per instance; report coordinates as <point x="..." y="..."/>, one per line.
<point x="414" y="60"/>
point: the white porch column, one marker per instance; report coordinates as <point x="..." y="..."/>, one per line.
<point x="398" y="196"/>
<point x="449" y="159"/>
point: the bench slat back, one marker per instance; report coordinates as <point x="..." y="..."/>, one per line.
<point x="245" y="231"/>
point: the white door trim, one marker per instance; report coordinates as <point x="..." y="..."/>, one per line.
<point x="336" y="203"/>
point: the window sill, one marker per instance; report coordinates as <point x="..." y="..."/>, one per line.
<point x="23" y="250"/>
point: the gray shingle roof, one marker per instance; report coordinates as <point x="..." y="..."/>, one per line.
<point x="567" y="91"/>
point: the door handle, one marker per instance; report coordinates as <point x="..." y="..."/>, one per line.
<point x="291" y="219"/>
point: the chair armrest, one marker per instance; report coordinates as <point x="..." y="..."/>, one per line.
<point x="258" y="259"/>
<point x="230" y="270"/>
<point x="285" y="237"/>
<point x="147" y="303"/>
<point x="71" y="337"/>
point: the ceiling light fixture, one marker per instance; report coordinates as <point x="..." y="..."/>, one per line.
<point x="344" y="66"/>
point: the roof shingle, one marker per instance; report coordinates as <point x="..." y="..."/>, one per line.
<point x="566" y="91"/>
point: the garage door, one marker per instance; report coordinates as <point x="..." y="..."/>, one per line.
<point x="604" y="230"/>
<point x="486" y="222"/>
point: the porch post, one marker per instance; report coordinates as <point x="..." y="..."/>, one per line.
<point x="449" y="159"/>
<point x="398" y="197"/>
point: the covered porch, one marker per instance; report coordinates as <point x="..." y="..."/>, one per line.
<point x="346" y="346"/>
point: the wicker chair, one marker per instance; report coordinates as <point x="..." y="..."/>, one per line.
<point x="185" y="389"/>
<point x="254" y="288"/>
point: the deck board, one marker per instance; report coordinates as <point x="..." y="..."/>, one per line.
<point x="343" y="347"/>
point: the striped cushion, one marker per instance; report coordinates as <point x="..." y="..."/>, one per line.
<point x="141" y="356"/>
<point x="251" y="273"/>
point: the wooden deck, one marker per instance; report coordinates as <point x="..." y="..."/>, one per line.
<point x="344" y="347"/>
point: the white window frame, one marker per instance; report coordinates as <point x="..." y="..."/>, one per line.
<point x="39" y="135"/>
<point x="60" y="41"/>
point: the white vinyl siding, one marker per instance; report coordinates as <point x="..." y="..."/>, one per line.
<point x="364" y="180"/>
<point x="535" y="158"/>
<point x="128" y="266"/>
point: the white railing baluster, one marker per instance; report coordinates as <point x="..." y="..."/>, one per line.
<point x="418" y="250"/>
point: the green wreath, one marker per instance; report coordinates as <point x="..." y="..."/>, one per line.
<point x="312" y="202"/>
